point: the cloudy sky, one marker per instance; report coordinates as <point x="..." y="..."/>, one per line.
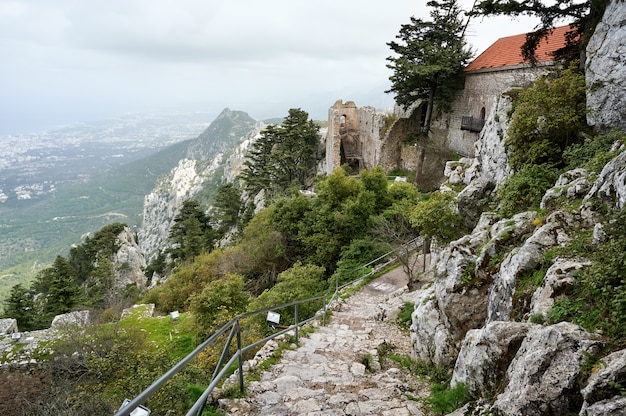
<point x="65" y="61"/>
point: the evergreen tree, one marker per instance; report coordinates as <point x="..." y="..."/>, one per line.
<point x="21" y="307"/>
<point x="283" y="156"/>
<point x="227" y="207"/>
<point x="191" y="232"/>
<point x="584" y="15"/>
<point x="430" y="57"/>
<point x="64" y="293"/>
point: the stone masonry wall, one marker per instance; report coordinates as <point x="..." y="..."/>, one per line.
<point x="481" y="90"/>
<point x="359" y="127"/>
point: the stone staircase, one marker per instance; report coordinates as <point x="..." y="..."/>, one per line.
<point x="336" y="370"/>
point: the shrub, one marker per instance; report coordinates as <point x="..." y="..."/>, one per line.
<point x="547" y="117"/>
<point x="437" y="217"/>
<point x="594" y="152"/>
<point x="598" y="299"/>
<point x="524" y="189"/>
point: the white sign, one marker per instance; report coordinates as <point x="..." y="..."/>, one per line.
<point x="139" y="411"/>
<point x="273" y="317"/>
<point x="174" y="315"/>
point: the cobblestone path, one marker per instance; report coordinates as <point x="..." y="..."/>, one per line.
<point x="336" y="369"/>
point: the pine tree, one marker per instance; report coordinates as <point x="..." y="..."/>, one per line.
<point x="430" y="57"/>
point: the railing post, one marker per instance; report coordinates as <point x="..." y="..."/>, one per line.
<point x="324" y="318"/>
<point x="296" y="318"/>
<point x="240" y="359"/>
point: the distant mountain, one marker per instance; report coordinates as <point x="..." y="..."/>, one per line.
<point x="34" y="233"/>
<point x="207" y="163"/>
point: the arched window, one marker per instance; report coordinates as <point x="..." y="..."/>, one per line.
<point x="342" y="121"/>
<point x="482" y="113"/>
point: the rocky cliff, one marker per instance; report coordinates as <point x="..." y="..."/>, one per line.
<point x="214" y="157"/>
<point x="472" y="314"/>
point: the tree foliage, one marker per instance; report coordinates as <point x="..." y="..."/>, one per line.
<point x="430" y="56"/>
<point x="584" y="16"/>
<point x="191" y="232"/>
<point x="437" y="218"/>
<point x="547" y="117"/>
<point x="283" y="156"/>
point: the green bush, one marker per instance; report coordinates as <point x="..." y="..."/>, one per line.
<point x="594" y="152"/>
<point x="524" y="189"/>
<point x="299" y="282"/>
<point x="547" y="117"/>
<point x="437" y="218"/>
<point x="598" y="299"/>
<point x="444" y="400"/>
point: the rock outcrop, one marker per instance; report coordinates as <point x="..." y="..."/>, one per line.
<point x="129" y="261"/>
<point x="603" y="394"/>
<point x="605" y="70"/>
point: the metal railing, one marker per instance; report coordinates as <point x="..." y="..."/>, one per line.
<point x="233" y="327"/>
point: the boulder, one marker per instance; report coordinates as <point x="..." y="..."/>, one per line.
<point x="455" y="303"/>
<point x="429" y="330"/>
<point x="605" y="70"/>
<point x="603" y="392"/>
<point x="610" y="186"/>
<point x="490" y="149"/>
<point x="129" y="261"/>
<point x="542" y="379"/>
<point x="559" y="279"/>
<point x="486" y="354"/>
<point x="8" y="326"/>
<point x="473" y="199"/>
<point x="572" y="184"/>
<point x="524" y="260"/>
<point x="76" y="318"/>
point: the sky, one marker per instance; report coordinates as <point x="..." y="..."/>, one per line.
<point x="68" y="61"/>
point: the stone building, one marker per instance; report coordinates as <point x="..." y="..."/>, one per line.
<point x="363" y="137"/>
<point x="353" y="136"/>
<point x="500" y="68"/>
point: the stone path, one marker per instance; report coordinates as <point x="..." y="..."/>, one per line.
<point x="336" y="369"/>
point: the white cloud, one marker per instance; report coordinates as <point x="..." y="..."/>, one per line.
<point x="69" y="59"/>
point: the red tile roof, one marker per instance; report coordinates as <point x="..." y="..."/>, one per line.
<point x="507" y="51"/>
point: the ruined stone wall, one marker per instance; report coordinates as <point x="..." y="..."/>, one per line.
<point x="359" y="128"/>
<point x="481" y="90"/>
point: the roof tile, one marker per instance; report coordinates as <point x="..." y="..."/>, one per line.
<point x="507" y="51"/>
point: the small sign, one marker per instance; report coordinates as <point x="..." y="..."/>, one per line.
<point x="273" y="317"/>
<point x="139" y="411"/>
<point x="16" y="336"/>
<point x="174" y="315"/>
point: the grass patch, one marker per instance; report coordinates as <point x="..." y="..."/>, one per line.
<point x="404" y="317"/>
<point x="176" y="336"/>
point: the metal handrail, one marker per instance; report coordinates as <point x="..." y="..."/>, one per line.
<point x="235" y="329"/>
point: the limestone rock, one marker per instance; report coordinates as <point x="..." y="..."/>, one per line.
<point x="486" y="354"/>
<point x="455" y="303"/>
<point x="603" y="393"/>
<point x="489" y="149"/>
<point x="129" y="261"/>
<point x="8" y="326"/>
<point x="558" y="279"/>
<point x="605" y="70"/>
<point x="77" y="318"/>
<point x="571" y="184"/>
<point x="610" y="186"/>
<point x="542" y="378"/>
<point x="429" y="330"/>
<point x="523" y="260"/>
<point x="455" y="170"/>
<point x="473" y="199"/>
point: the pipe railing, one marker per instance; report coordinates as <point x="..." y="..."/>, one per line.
<point x="234" y="326"/>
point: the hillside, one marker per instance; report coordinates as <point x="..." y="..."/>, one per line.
<point x="37" y="231"/>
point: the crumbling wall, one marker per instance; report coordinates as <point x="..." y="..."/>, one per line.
<point x="353" y="136"/>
